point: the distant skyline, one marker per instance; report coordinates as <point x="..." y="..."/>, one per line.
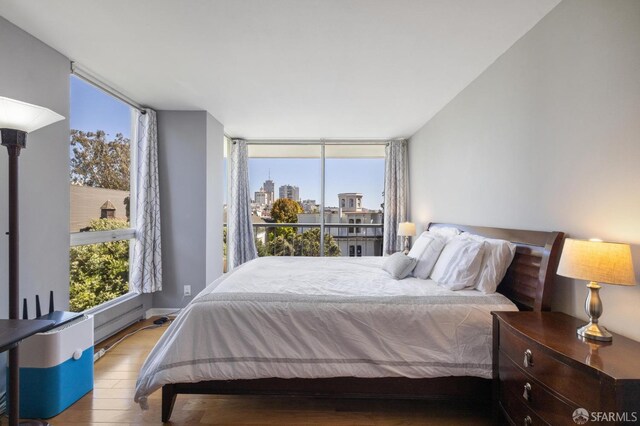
<point x="364" y="175"/>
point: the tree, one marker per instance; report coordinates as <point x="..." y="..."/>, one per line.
<point x="99" y="162"/>
<point x="279" y="246"/>
<point x="285" y="210"/>
<point x="306" y="243"/>
<point x="99" y="272"/>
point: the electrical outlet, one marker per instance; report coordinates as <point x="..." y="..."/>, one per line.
<point x="187" y="290"/>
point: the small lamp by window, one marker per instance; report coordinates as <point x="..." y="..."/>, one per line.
<point x="597" y="262"/>
<point x="406" y="230"/>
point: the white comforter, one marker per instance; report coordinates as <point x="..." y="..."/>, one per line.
<point x="323" y="317"/>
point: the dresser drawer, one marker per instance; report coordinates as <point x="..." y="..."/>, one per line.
<point x="517" y="412"/>
<point x="579" y="387"/>
<point x="550" y="408"/>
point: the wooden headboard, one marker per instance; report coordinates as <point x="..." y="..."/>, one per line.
<point x="530" y="277"/>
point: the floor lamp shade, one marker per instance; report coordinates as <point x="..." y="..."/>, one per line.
<point x="17" y="118"/>
<point x="18" y="115"/>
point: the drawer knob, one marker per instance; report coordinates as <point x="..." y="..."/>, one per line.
<point x="528" y="358"/>
<point x="528" y="421"/>
<point x="527" y="391"/>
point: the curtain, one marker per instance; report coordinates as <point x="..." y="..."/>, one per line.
<point x="241" y="246"/>
<point x="395" y="194"/>
<point x="147" y="255"/>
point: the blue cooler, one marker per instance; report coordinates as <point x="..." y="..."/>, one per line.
<point x="56" y="368"/>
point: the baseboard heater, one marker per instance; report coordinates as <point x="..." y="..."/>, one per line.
<point x="114" y="318"/>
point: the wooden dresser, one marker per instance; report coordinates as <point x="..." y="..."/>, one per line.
<point x="543" y="372"/>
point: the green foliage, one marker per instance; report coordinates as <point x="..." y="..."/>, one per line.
<point x="99" y="162"/>
<point x="99" y="272"/>
<point x="285" y="210"/>
<point x="306" y="243"/>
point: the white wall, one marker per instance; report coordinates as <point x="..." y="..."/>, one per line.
<point x="547" y="138"/>
<point x="215" y="197"/>
<point x="190" y="156"/>
<point x="33" y="72"/>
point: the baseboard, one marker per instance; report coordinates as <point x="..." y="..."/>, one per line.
<point x="158" y="312"/>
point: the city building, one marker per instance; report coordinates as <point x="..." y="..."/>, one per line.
<point x="310" y="206"/>
<point x="290" y="191"/>
<point x="261" y="197"/>
<point x="364" y="238"/>
<point x="89" y="203"/>
<point x="269" y="187"/>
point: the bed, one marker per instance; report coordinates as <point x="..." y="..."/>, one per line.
<point x="343" y="327"/>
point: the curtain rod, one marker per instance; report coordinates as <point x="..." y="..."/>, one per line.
<point x="315" y="141"/>
<point x="96" y="81"/>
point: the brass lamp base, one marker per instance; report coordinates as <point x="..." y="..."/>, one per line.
<point x="595" y="332"/>
<point x="593" y="307"/>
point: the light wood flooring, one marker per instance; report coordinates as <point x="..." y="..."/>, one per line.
<point x="111" y="401"/>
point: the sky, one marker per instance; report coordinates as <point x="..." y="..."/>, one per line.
<point x="342" y="175"/>
<point x="92" y="109"/>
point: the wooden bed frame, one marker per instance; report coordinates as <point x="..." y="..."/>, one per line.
<point x="528" y="283"/>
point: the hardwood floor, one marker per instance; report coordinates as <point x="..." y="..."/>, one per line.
<point x="111" y="401"/>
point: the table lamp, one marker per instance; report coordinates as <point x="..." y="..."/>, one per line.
<point x="597" y="262"/>
<point x="406" y="230"/>
<point x="16" y="120"/>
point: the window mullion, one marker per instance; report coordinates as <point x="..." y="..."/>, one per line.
<point x="322" y="184"/>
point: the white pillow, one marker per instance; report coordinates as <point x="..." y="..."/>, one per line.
<point x="498" y="256"/>
<point x="459" y="263"/>
<point x="447" y="232"/>
<point x="399" y="265"/>
<point x="426" y="250"/>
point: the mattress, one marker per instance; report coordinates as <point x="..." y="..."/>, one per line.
<point x="299" y="317"/>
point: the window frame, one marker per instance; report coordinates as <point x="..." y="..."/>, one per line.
<point x="97" y="237"/>
<point x="301" y="147"/>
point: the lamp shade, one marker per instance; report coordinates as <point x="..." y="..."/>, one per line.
<point x="597" y="261"/>
<point x="406" y="229"/>
<point x="17" y="115"/>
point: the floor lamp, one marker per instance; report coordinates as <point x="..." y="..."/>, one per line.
<point x="16" y="120"/>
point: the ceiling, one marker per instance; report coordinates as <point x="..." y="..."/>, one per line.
<point x="286" y="68"/>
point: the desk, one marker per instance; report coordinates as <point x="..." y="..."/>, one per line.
<point x="11" y="333"/>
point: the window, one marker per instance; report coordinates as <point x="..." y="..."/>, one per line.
<point x="102" y="203"/>
<point x="359" y="251"/>
<point x="353" y="180"/>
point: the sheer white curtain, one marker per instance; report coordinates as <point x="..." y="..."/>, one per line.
<point x="241" y="246"/>
<point x="396" y="180"/>
<point x="146" y="274"/>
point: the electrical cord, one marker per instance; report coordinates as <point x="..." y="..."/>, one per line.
<point x="160" y="322"/>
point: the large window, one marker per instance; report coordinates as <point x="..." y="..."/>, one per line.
<point x="102" y="201"/>
<point x="317" y="199"/>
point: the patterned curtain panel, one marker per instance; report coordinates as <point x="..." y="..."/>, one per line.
<point x="146" y="274"/>
<point x="241" y="246"/>
<point x="395" y="194"/>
